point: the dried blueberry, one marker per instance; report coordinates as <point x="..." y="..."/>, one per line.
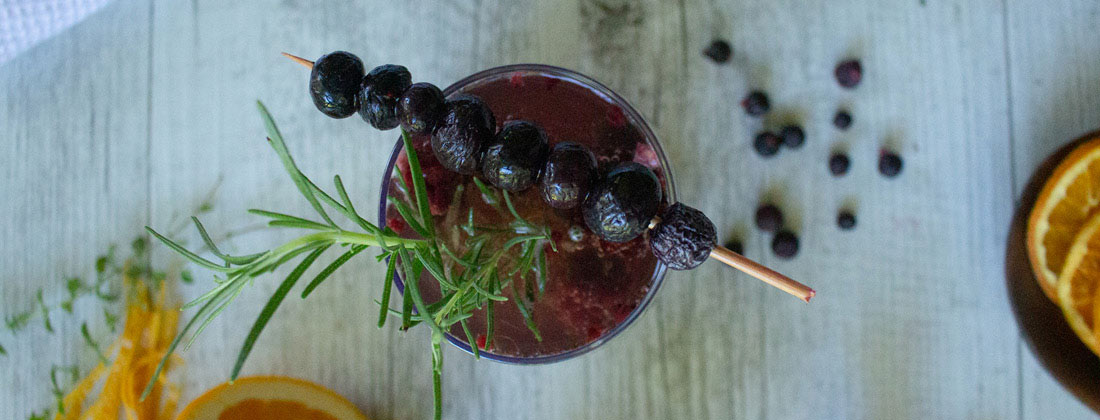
<point x="793" y="136"/>
<point x="621" y="205"/>
<point x="719" y="51"/>
<point x="683" y="238"/>
<point x="756" y="103"/>
<point x="334" y="82"/>
<point x="767" y="144"/>
<point x="466" y="127"/>
<point x="567" y="176"/>
<point x="842" y="120"/>
<point x="785" y="244"/>
<point x="846" y="220"/>
<point x="381" y="89"/>
<point x="514" y="158"/>
<point x="849" y="73"/>
<point x="420" y="108"/>
<point x="889" y="164"/>
<point x="769" y="218"/>
<point x="838" y="164"/>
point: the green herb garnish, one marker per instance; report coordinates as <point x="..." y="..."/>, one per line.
<point x="467" y="282"/>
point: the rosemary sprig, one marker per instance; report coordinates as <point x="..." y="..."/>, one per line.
<point x="467" y="283"/>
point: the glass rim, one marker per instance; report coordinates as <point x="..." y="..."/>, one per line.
<point x="651" y="139"/>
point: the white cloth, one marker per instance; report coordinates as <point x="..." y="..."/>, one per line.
<point x="24" y="23"/>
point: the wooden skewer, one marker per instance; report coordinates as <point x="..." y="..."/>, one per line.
<point x="722" y="254"/>
<point x="763" y="273"/>
<point x="299" y="60"/>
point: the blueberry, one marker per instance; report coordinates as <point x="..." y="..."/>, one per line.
<point x="769" y="218"/>
<point x="889" y="164"/>
<point x="735" y="245"/>
<point x="622" y="203"/>
<point x="467" y="125"/>
<point x="719" y="51"/>
<point x="849" y="73"/>
<point x="514" y="158"/>
<point x="334" y="82"/>
<point x="785" y="244"/>
<point x="842" y="120"/>
<point x="838" y="164"/>
<point x="756" y="103"/>
<point x="767" y="144"/>
<point x="568" y="175"/>
<point x="792" y="136"/>
<point x="420" y="108"/>
<point x="381" y="90"/>
<point x="846" y="220"/>
<point x="683" y="238"/>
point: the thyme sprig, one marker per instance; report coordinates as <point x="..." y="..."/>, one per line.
<point x="467" y="282"/>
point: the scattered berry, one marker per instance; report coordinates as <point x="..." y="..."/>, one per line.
<point x="514" y="158"/>
<point x="466" y="127"/>
<point x="420" y="108"/>
<point x="621" y="205"/>
<point x="839" y="164"/>
<point x="769" y="218"/>
<point x="719" y="51"/>
<point x="846" y="220"/>
<point x="793" y="136"/>
<point x="767" y="144"/>
<point x="756" y="103"/>
<point x="849" y="73"/>
<point x="334" y="82"/>
<point x="381" y="90"/>
<point x="842" y="120"/>
<point x="568" y="175"/>
<point x="785" y="244"/>
<point x="889" y="164"/>
<point x="684" y="237"/>
<point x="735" y="246"/>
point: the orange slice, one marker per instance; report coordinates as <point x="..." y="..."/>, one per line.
<point x="1080" y="282"/>
<point x="270" y="398"/>
<point x="1071" y="195"/>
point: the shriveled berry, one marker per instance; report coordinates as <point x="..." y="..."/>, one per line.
<point x="769" y="218"/>
<point x="381" y="90"/>
<point x="846" y="220"/>
<point x="756" y="103"/>
<point x="838" y="164"/>
<point x="719" y="51"/>
<point x="767" y="144"/>
<point x="785" y="244"/>
<point x="889" y="164"/>
<point x="849" y="73"/>
<point x="683" y="238"/>
<point x="568" y="175"/>
<point x="842" y="120"/>
<point x="419" y="108"/>
<point x="735" y="245"/>
<point x="334" y="82"/>
<point x="466" y="127"/>
<point x="621" y="205"/>
<point x="514" y="158"/>
<point x="793" y="136"/>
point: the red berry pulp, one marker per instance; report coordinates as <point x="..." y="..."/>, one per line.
<point x="593" y="286"/>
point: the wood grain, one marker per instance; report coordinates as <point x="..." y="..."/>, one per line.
<point x="136" y="114"/>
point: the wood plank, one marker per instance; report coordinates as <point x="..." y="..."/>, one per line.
<point x="73" y="114"/>
<point x="1053" y="52"/>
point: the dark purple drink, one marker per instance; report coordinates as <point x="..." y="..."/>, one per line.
<point x="594" y="288"/>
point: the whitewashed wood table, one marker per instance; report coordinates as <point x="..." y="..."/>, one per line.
<point x="134" y="114"/>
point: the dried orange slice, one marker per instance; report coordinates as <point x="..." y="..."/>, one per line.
<point x="1071" y="195"/>
<point x="1080" y="282"/>
<point x="270" y="398"/>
